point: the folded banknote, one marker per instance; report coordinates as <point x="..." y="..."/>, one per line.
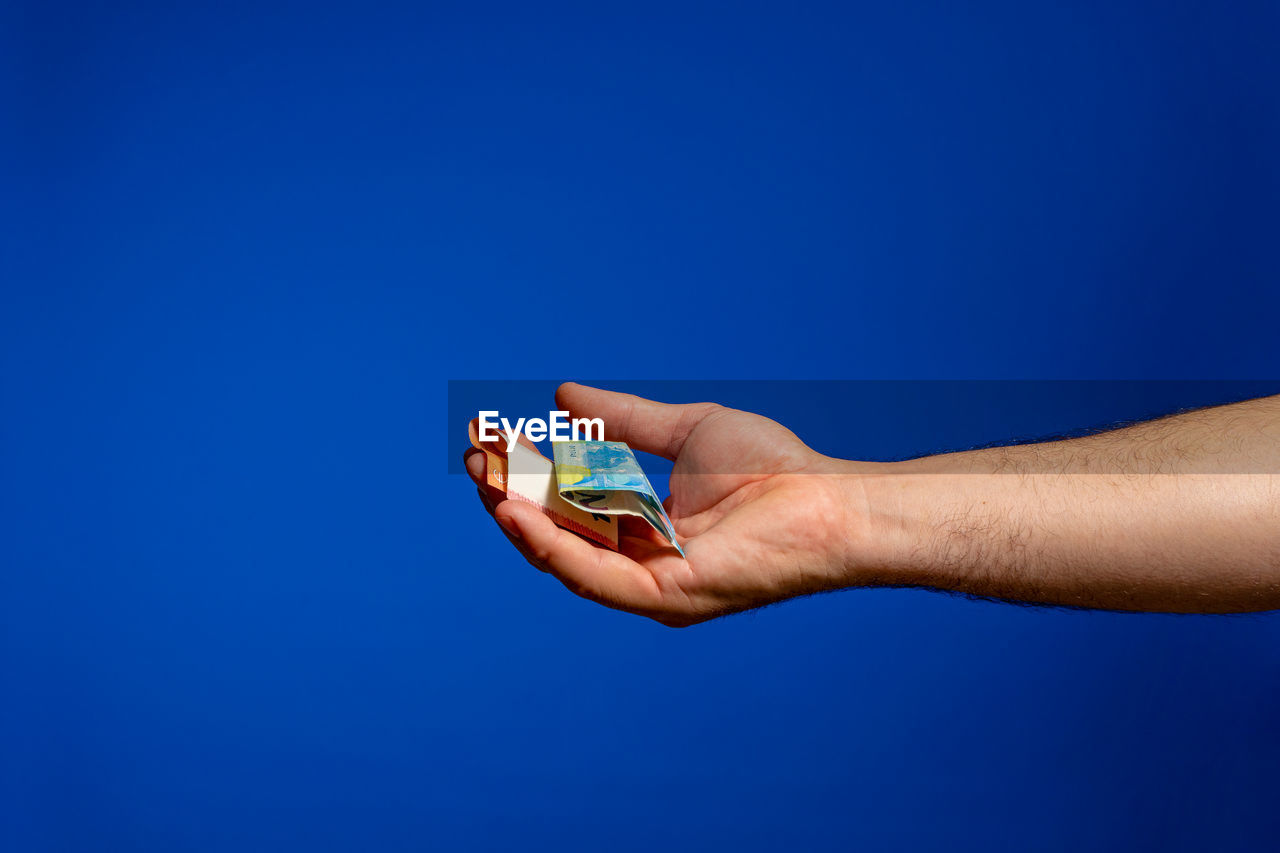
<point x="584" y="489"/>
<point x="604" y="478"/>
<point x="531" y="478"/>
<point x="526" y="475"/>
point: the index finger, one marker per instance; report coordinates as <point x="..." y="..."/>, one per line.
<point x="594" y="573"/>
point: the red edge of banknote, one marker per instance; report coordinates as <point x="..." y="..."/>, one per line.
<point x="568" y="523"/>
<point x="496" y="478"/>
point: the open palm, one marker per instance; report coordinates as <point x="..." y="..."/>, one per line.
<point x="748" y="500"/>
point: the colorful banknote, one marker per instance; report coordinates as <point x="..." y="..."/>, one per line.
<point x="604" y="478"/>
<point x="531" y="478"/>
<point x="526" y="475"/>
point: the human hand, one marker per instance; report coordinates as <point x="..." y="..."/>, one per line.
<point x="1177" y="515"/>
<point x="761" y="516"/>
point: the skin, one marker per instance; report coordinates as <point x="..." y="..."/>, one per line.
<point x="1177" y="515"/>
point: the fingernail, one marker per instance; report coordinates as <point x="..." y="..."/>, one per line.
<point x="509" y="525"/>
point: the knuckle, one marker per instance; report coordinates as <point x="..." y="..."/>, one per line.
<point x="541" y="553"/>
<point x="581" y="590"/>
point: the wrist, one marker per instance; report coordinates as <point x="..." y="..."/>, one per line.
<point x="918" y="522"/>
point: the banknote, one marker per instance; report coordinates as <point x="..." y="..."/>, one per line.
<point x="604" y="478"/>
<point x="524" y="474"/>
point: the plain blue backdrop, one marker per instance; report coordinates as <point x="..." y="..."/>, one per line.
<point x="244" y="605"/>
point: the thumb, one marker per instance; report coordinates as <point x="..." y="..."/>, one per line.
<point x="658" y="428"/>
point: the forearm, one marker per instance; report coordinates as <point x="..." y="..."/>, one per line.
<point x="1181" y="514"/>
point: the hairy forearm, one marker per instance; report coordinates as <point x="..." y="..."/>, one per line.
<point x="1180" y="514"/>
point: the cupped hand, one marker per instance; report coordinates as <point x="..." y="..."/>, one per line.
<point x="761" y="516"/>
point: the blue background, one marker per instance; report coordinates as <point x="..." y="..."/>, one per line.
<point x="245" y="606"/>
